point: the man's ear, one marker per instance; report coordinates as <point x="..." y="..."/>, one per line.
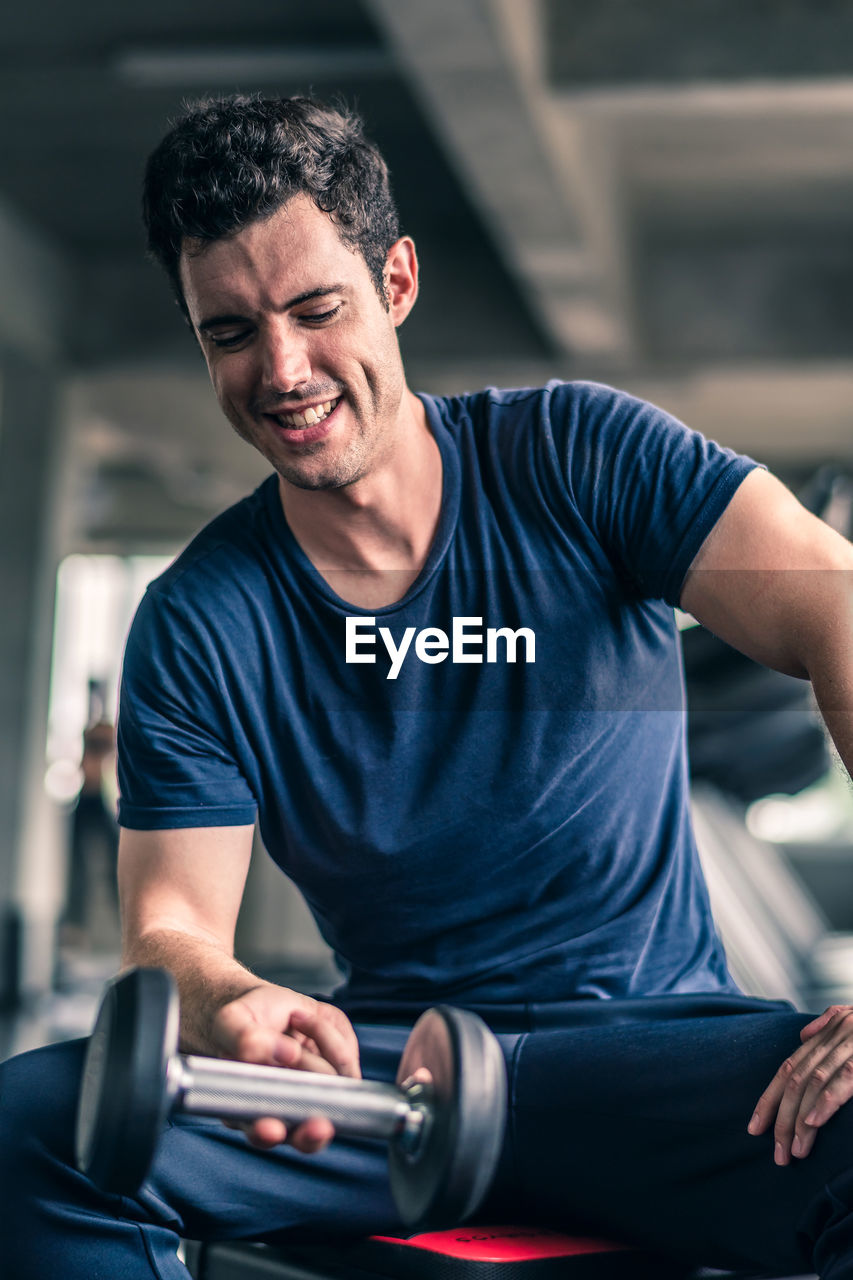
<point x="401" y="278"/>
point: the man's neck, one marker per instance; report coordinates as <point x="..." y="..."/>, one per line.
<point x="370" y="539"/>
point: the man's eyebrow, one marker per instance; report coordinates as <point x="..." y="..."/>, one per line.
<point x="214" y="322"/>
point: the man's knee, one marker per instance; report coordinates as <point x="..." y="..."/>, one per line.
<point x="38" y="1101"/>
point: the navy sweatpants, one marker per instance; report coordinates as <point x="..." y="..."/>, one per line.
<point x="638" y="1131"/>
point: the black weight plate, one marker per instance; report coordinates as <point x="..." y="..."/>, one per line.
<point x="445" y="1179"/>
<point x="123" y="1095"/>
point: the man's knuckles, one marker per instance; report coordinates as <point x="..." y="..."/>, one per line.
<point x="795" y="1075"/>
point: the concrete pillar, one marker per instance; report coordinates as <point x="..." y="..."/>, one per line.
<point x="32" y="868"/>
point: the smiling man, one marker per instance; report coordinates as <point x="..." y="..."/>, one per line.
<point x="303" y="356"/>
<point x="308" y="373"/>
<point x="502" y="824"/>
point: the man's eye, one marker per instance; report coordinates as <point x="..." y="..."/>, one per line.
<point x="321" y="317"/>
<point x="228" y="339"/>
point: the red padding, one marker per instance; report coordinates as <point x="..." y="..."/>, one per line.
<point x="505" y="1244"/>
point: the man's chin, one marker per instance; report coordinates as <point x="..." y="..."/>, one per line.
<point x="311" y="484"/>
<point x="319" y="481"/>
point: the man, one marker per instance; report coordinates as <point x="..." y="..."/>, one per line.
<point x="435" y="655"/>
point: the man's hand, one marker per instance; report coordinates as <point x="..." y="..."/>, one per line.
<point x="810" y="1086"/>
<point x="278" y="1027"/>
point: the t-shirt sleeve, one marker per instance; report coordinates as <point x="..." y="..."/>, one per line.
<point x="649" y="488"/>
<point x="176" y="766"/>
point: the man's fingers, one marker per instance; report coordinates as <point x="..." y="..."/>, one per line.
<point x="338" y="1047"/>
<point x="809" y="1087"/>
<point x="787" y="1112"/>
<point x="768" y="1104"/>
<point x="803" y="1141"/>
<point x="832" y="1089"/>
<point x="278" y="1027"/>
<point x="287" y="1051"/>
<point x="781" y="1103"/>
<point x="254" y="1042"/>
<point x="310" y="1136"/>
<point x="829" y="1088"/>
<point x="817" y="1024"/>
<point x="819" y="1072"/>
<point x="310" y="1036"/>
<point x="831" y="1079"/>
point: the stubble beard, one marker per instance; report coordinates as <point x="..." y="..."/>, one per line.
<point x="338" y="473"/>
<point x="356" y="459"/>
<point x="343" y="469"/>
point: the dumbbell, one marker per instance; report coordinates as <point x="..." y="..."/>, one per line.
<point x="443" y="1120"/>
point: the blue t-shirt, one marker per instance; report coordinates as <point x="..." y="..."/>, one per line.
<point x="488" y="801"/>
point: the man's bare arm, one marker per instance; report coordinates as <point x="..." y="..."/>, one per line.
<point x="180" y="892"/>
<point x="778" y="584"/>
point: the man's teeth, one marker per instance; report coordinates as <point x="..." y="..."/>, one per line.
<point x="309" y="417"/>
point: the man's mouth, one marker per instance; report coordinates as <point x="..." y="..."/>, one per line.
<point x="308" y="417"/>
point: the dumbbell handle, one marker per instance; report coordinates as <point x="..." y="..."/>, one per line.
<point x="247" y="1091"/>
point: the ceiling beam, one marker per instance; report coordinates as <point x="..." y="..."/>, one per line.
<point x="152" y="66"/>
<point x="469" y="63"/>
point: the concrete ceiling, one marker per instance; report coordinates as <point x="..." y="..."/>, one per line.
<point x="656" y="195"/>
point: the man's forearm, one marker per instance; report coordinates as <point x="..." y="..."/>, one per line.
<point x="207" y="979"/>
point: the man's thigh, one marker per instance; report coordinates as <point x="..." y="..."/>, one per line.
<point x="205" y="1182"/>
<point x="641" y="1131"/>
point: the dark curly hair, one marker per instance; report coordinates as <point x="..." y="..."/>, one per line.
<point x="229" y="161"/>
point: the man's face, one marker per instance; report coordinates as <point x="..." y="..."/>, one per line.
<point x="301" y="352"/>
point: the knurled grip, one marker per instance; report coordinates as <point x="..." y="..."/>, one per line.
<point x="247" y="1091"/>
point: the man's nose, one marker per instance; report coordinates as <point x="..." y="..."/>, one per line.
<point x="285" y="362"/>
